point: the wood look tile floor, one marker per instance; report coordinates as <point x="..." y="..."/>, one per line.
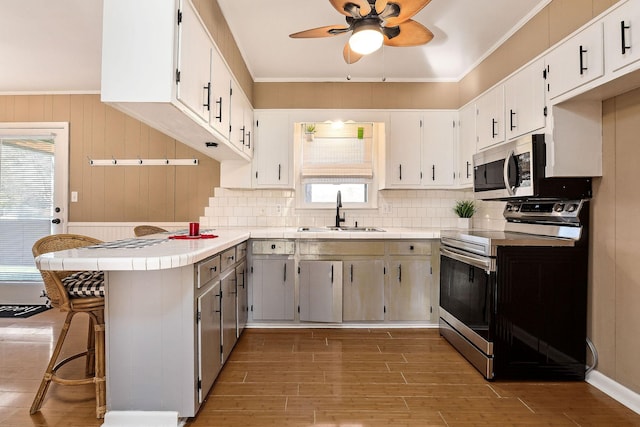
<point x="315" y="377"/>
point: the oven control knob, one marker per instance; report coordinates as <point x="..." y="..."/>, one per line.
<point x="558" y="207"/>
<point x="572" y="207"/>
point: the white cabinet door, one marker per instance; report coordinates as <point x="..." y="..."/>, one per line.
<point x="363" y="290"/>
<point x="524" y="100"/>
<point x="490" y="118"/>
<point x="622" y="36"/>
<point x="272" y="286"/>
<point x="403" y="150"/>
<point x="438" y="148"/>
<point x="194" y="62"/>
<point x="408" y="289"/>
<point x="236" y="128"/>
<point x="273" y="153"/>
<point x="220" y="94"/>
<point x="576" y="61"/>
<point x="466" y="144"/>
<point x="320" y="291"/>
<point x="247" y="143"/>
<point x="208" y="333"/>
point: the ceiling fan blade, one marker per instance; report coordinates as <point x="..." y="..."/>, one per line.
<point x="339" y="5"/>
<point x="328" y="31"/>
<point x="408" y="8"/>
<point x="411" y="33"/>
<point x="349" y="55"/>
<point x="380" y="5"/>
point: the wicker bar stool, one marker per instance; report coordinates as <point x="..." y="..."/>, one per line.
<point x="75" y="292"/>
<point x="145" y="230"/>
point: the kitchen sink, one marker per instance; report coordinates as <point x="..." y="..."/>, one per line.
<point x="341" y="228"/>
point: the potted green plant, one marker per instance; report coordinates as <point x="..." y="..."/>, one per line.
<point x="465" y="210"/>
<point x="309" y="130"/>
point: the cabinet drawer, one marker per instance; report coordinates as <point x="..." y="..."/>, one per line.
<point x="208" y="269"/>
<point x="241" y="251"/>
<point x="228" y="258"/>
<point x="273" y="247"/>
<point x="409" y="248"/>
<point x="341" y="248"/>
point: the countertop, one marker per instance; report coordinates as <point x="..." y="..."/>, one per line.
<point x="158" y="252"/>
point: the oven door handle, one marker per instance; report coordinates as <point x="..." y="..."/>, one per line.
<point x="484" y="263"/>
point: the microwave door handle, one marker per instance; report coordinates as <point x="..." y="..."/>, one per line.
<point x="505" y="174"/>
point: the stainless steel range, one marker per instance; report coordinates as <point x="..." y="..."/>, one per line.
<point x="513" y="302"/>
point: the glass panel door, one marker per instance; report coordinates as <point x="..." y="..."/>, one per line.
<point x="33" y="183"/>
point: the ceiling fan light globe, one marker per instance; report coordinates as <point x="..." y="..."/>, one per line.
<point x="366" y="40"/>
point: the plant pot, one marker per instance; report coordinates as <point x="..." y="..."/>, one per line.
<point x="464" y="223"/>
<point x="309" y="136"/>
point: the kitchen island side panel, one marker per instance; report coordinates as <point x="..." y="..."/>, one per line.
<point x="150" y="341"/>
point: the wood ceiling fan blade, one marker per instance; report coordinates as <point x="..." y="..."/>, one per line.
<point x="380" y="5"/>
<point x="408" y="8"/>
<point x="349" y="55"/>
<point x="339" y="5"/>
<point x="411" y="33"/>
<point x="328" y="31"/>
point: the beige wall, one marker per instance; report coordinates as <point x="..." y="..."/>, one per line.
<point x="127" y="193"/>
<point x="614" y="293"/>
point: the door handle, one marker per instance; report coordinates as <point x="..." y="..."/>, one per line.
<point x="505" y="173"/>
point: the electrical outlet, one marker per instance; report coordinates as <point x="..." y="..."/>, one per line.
<point x="278" y="209"/>
<point x="386" y="208"/>
<point x="74" y="196"/>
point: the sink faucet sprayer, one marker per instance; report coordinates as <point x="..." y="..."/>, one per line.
<point x="338" y="206"/>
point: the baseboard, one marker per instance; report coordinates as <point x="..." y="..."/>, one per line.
<point x="142" y="418"/>
<point x="617" y="391"/>
<point x="311" y="325"/>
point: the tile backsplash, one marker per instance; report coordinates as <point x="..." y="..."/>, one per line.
<point x="396" y="208"/>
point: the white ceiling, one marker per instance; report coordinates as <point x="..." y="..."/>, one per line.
<point x="464" y="30"/>
<point x="55" y="46"/>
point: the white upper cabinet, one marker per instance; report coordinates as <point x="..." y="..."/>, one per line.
<point x="466" y="144"/>
<point x="622" y="36"/>
<point x="525" y="100"/>
<point x="576" y="61"/>
<point x="160" y="66"/>
<point x="403" y="150"/>
<point x="490" y="129"/>
<point x="273" y="150"/>
<point x="438" y="148"/>
<point x="220" y="110"/>
<point x="241" y="120"/>
<point x="193" y="86"/>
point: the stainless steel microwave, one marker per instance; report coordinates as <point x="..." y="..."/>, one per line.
<point x="516" y="171"/>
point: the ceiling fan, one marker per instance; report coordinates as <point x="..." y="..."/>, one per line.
<point x="374" y="23"/>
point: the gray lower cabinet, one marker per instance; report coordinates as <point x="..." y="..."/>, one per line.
<point x="242" y="300"/>
<point x="320" y="291"/>
<point x="208" y="336"/>
<point x="229" y="320"/>
<point x="363" y="290"/>
<point x="273" y="288"/>
<point x="409" y="287"/>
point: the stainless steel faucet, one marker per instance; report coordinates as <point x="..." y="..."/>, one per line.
<point x="338" y="206"/>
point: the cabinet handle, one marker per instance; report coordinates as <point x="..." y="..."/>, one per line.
<point x="332" y="273"/>
<point x="279" y="171"/>
<point x="231" y="257"/>
<point x="511" y="114"/>
<point x="208" y="104"/>
<point x="468" y="174"/>
<point x="351" y="273"/>
<point x="623" y="38"/>
<point x="400" y="273"/>
<point x="219" y="116"/>
<point x="214" y="269"/>
<point x="273" y="246"/>
<point x="249" y="139"/>
<point x="433" y="173"/>
<point x="242" y="135"/>
<point x="400" y="168"/>
<point x="493" y="128"/>
<point x="285" y="274"/>
<point x="582" y="67"/>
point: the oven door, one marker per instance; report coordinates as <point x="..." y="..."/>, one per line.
<point x="467" y="296"/>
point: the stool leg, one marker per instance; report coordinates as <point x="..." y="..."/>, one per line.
<point x="46" y="380"/>
<point x="100" y="368"/>
<point x="91" y="349"/>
